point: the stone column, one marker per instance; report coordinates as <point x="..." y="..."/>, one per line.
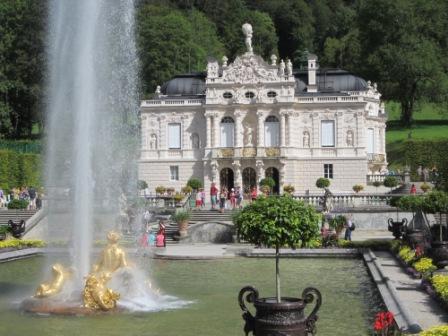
<point x="238" y="129"/>
<point x="260" y="170"/>
<point x="214" y="170"/>
<point x="215" y="130"/>
<point x="360" y="137"/>
<point x="208" y="131"/>
<point x="282" y="128"/>
<point x="314" y="141"/>
<point x="186" y="136"/>
<point x="281" y="175"/>
<point x="237" y="173"/>
<point x="260" y="132"/>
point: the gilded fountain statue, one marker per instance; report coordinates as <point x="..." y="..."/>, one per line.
<point x="54" y="296"/>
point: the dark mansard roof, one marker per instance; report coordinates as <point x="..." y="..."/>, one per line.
<point x="329" y="81"/>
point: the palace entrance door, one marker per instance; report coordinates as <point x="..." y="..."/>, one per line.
<point x="226" y="178"/>
<point x="249" y="179"/>
<point x="273" y="172"/>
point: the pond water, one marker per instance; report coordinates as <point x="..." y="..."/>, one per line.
<point x="350" y="299"/>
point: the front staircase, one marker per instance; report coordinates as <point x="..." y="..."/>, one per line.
<point x="199" y="216"/>
<point x="15" y="215"/>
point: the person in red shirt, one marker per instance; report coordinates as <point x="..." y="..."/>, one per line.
<point x="213" y="195"/>
<point x="413" y="189"/>
<point x="253" y="194"/>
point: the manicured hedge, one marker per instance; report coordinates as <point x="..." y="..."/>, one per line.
<point x="17" y="169"/>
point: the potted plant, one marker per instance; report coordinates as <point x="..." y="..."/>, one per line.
<point x="412" y="203"/>
<point x="437" y="202"/>
<point x="377" y="184"/>
<point x="288" y="189"/>
<point x="390" y="182"/>
<point x="160" y="190"/>
<point x="357" y="188"/>
<point x="425" y="187"/>
<point x="187" y="190"/>
<point x="194" y="183"/>
<point x="170" y="191"/>
<point x="278" y="222"/>
<point x="337" y="223"/>
<point x="267" y="184"/>
<point x="181" y="218"/>
<point x="178" y="197"/>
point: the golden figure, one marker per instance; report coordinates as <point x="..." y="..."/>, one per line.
<point x="113" y="257"/>
<point x="60" y="275"/>
<point x="96" y="295"/>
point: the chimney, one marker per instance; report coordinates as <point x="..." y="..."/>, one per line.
<point x="312" y="67"/>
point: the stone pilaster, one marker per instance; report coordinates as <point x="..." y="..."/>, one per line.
<point x="237" y="173"/>
<point x="238" y="128"/>
<point x="208" y="131"/>
<point x="282" y="128"/>
<point x="216" y="121"/>
<point x="260" y="125"/>
<point x="260" y="170"/>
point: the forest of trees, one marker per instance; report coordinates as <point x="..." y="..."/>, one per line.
<point x="400" y="44"/>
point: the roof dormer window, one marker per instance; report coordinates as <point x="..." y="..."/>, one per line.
<point x="272" y="94"/>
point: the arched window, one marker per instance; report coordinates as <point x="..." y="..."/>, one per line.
<point x="271" y="131"/>
<point x="227" y="132"/>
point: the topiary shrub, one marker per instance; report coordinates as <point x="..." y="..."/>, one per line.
<point x="277" y="222"/>
<point x="377" y="184"/>
<point x="141" y="185"/>
<point x="390" y="182"/>
<point x="267" y="184"/>
<point x="288" y="188"/>
<point x="322" y="183"/>
<point x="425" y="187"/>
<point x="18" y="204"/>
<point x="194" y="183"/>
<point x="160" y="190"/>
<point x="187" y="190"/>
<point x="357" y="188"/>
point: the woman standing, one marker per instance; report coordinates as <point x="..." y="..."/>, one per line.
<point x="222" y="199"/>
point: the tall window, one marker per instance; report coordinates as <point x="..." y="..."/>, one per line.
<point x="271" y="132"/>
<point x="327" y="133"/>
<point x="227" y="132"/>
<point x="328" y="171"/>
<point x="174" y="136"/>
<point x="370" y="141"/>
<point x="174" y="173"/>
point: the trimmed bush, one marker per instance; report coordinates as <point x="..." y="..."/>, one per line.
<point x="194" y="183"/>
<point x="357" y="188"/>
<point x="322" y="183"/>
<point x="18" y="204"/>
<point x="390" y="182"/>
<point x="18" y="243"/>
<point x="141" y="185"/>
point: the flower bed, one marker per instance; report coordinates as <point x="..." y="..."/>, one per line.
<point x="435" y="331"/>
<point x="12" y="244"/>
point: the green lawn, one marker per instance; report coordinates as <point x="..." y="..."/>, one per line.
<point x="430" y="123"/>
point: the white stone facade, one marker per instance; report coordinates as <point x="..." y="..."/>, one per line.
<point x="250" y="118"/>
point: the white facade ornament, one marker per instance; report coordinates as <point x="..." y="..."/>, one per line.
<point x="158" y="91"/>
<point x="250" y="69"/>
<point x="289" y="68"/>
<point x="273" y="60"/>
<point x="212" y="69"/>
<point x="281" y="70"/>
<point x="153" y="141"/>
<point x="349" y="139"/>
<point x="224" y="61"/>
<point x="248" y="137"/>
<point x="247" y="31"/>
<point x="306" y="139"/>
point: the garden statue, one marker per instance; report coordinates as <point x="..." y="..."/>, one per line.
<point x="289" y="67"/>
<point x="247" y="31"/>
<point x="55" y="285"/>
<point x="306" y="139"/>
<point x="327" y="202"/>
<point x="281" y="71"/>
<point x="112" y="257"/>
<point x="248" y="139"/>
<point x="153" y="141"/>
<point x="350" y="139"/>
<point x="96" y="295"/>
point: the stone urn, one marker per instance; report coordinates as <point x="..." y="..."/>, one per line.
<point x="183" y="228"/>
<point x="286" y="318"/>
<point x="439" y="253"/>
<point x="396" y="227"/>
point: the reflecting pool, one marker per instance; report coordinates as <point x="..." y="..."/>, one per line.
<point x="350" y="298"/>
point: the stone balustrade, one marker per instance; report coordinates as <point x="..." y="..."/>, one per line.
<point x="172" y="102"/>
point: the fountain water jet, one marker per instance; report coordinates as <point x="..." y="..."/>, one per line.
<point x="91" y="153"/>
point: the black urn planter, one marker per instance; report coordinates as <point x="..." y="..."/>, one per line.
<point x="286" y="318"/>
<point x="17" y="229"/>
<point x="396" y="227"/>
<point x="439" y="253"/>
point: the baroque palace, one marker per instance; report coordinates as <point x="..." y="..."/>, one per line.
<point x="239" y="122"/>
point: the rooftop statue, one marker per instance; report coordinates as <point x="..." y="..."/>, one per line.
<point x="247" y="31"/>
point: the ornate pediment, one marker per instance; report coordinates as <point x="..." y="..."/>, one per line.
<point x="251" y="69"/>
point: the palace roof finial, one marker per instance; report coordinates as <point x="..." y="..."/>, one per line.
<point x="247" y="31"/>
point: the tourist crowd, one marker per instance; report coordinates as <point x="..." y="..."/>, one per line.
<point x="28" y="194"/>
